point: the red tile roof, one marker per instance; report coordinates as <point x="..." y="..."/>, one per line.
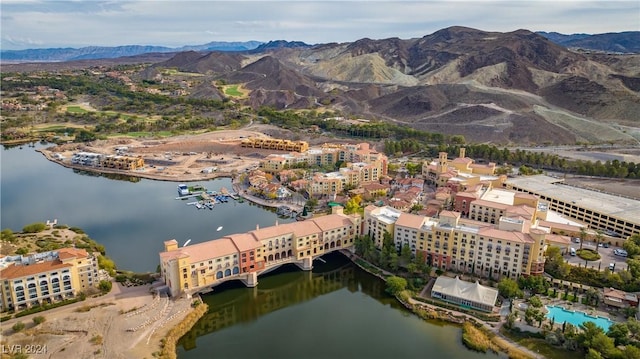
<point x="17" y="271"/>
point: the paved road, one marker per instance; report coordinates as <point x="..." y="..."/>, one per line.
<point x="606" y="258"/>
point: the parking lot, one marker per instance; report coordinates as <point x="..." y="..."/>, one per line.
<point x="606" y="257"/>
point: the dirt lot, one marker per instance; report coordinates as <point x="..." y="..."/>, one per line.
<point x="181" y="158"/>
<point x="99" y="327"/>
<point x="186" y="158"/>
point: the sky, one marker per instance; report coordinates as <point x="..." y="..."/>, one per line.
<point x="27" y="24"/>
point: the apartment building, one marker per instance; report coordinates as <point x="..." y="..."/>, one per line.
<point x="372" y="163"/>
<point x="275" y="144"/>
<point x="509" y="248"/>
<point x="107" y="161"/>
<point x="208" y="263"/>
<point x="122" y="162"/>
<point x="46" y="277"/>
<point x="617" y="216"/>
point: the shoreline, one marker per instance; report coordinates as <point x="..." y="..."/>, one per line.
<point x="452" y="317"/>
<point x="157" y="177"/>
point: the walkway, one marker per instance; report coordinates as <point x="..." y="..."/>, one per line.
<point x="263" y="202"/>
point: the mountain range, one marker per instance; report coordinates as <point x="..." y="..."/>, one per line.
<point x="515" y="87"/>
<point x="622" y="42"/>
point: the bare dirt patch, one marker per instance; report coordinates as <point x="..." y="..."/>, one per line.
<point x="103" y="331"/>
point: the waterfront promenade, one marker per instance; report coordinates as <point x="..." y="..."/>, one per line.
<point x="242" y="192"/>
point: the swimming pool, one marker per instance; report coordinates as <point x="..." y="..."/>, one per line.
<point x="561" y="315"/>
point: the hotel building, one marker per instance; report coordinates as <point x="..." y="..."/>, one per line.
<point x="509" y="248"/>
<point x="460" y="174"/>
<point x="46" y="277"/>
<point x="244" y="256"/>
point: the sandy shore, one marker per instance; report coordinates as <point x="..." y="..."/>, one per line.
<point x="100" y="327"/>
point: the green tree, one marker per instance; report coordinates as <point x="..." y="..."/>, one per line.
<point x="631" y="352"/>
<point x="508" y="288"/>
<point x="582" y="235"/>
<point x="353" y="205"/>
<point x="592" y="354"/>
<point x="619" y="332"/>
<point x="599" y="237"/>
<point x="535" y="302"/>
<point x="105" y="286"/>
<point x="396" y="285"/>
<point x="405" y="254"/>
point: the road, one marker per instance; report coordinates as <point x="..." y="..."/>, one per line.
<point x="606" y="258"/>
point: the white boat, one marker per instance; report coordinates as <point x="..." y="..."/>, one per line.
<point x="183" y="190"/>
<point x="219" y="229"/>
<point x="199" y="205"/>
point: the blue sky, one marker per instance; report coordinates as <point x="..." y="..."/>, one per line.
<point x="44" y="24"/>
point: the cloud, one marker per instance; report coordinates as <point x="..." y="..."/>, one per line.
<point x="175" y="23"/>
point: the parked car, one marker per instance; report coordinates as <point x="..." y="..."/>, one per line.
<point x="620" y="252"/>
<point x="606" y="245"/>
<point x="576" y="239"/>
<point x="612" y="266"/>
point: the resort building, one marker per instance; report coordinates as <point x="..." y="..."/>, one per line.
<point x="620" y="299"/>
<point x="461" y="173"/>
<point x="245" y="256"/>
<point x="46" y="277"/>
<point x="511" y="247"/>
<point x="465" y="294"/>
<point x="617" y="216"/>
<point x="329" y="155"/>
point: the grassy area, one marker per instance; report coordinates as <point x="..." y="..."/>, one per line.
<point x="475" y="339"/>
<point x="539" y="345"/>
<point x="76" y="109"/>
<point x="233" y="91"/>
<point x="588" y="254"/>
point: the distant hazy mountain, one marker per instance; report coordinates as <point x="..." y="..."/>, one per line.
<point x="625" y="42"/>
<point x="101" y="52"/>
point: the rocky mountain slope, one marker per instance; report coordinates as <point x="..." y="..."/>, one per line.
<point x="489" y="86"/>
<point x="516" y="87"/>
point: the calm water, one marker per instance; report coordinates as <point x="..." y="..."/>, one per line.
<point x="131" y="219"/>
<point x="560" y="315"/>
<point x="337" y="311"/>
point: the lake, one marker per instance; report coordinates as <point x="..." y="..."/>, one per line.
<point x="131" y="219"/>
<point x="336" y="311"/>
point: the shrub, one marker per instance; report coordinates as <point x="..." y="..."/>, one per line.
<point x="96" y="339"/>
<point x="588" y="254"/>
<point x="105" y="286"/>
<point x="7" y="235"/>
<point x="39" y="320"/>
<point x="18" y="326"/>
<point x="76" y="230"/>
<point x="107" y="264"/>
<point x="22" y="251"/>
<point x="34" y="227"/>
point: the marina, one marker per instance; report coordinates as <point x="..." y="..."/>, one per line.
<point x="205" y="198"/>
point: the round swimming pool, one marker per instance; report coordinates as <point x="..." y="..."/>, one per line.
<point x="561" y="315"/>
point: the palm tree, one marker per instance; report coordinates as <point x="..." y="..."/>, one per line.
<point x="583" y="235"/>
<point x="599" y="238"/>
